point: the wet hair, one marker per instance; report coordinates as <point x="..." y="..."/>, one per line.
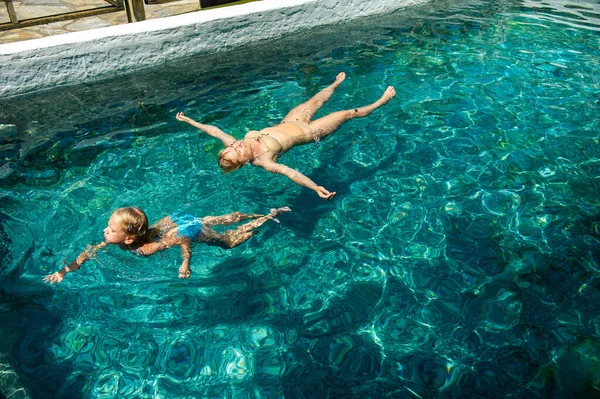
<point x="228" y="165"/>
<point x="133" y="221"/>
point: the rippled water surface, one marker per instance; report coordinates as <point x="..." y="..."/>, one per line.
<point x="459" y="259"/>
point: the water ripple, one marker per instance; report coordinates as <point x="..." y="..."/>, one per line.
<point x="459" y="258"/>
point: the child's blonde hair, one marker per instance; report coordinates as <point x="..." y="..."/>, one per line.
<point x="228" y="165"/>
<point x="133" y="221"/>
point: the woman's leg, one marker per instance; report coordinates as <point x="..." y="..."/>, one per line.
<point x="305" y="111"/>
<point x="328" y="124"/>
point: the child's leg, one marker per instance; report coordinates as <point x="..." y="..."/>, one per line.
<point x="305" y="111"/>
<point x="328" y="124"/>
<point x="228" y="219"/>
<point x="235" y="237"/>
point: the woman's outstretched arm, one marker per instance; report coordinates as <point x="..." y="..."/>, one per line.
<point x="295" y="176"/>
<point x="208" y="129"/>
<point x="86" y="255"/>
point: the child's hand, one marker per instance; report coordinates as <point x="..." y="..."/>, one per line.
<point x="54" y="278"/>
<point x="184" y="271"/>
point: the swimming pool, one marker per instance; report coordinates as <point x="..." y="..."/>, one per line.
<point x="458" y="259"/>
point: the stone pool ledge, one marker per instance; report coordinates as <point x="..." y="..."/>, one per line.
<point x="79" y="57"/>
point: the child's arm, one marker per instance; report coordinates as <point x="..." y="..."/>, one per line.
<point x="208" y="129"/>
<point x="153" y="247"/>
<point x="295" y="176"/>
<point x="186" y="254"/>
<point x="75" y="265"/>
<point x="186" y="251"/>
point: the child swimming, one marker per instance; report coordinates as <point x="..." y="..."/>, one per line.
<point x="128" y="229"/>
<point x="262" y="148"/>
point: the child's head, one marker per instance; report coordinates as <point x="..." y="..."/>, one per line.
<point x="234" y="156"/>
<point x="126" y="225"/>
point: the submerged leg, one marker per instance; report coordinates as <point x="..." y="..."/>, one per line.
<point x="328" y="124"/>
<point x="228" y="219"/>
<point x="233" y="238"/>
<point x="305" y="111"/>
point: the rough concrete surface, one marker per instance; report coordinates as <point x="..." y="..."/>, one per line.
<point x="73" y="58"/>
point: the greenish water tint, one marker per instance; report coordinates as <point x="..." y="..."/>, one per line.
<point x="458" y="260"/>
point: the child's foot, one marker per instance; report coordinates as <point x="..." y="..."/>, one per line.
<point x="340" y="78"/>
<point x="388" y="94"/>
<point x="276" y="211"/>
<point x="184" y="272"/>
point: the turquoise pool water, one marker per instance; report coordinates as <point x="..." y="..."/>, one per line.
<point x="459" y="259"/>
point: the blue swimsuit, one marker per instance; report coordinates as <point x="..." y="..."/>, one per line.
<point x="187" y="225"/>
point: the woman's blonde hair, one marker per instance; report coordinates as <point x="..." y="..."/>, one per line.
<point x="133" y="221"/>
<point x="228" y="165"/>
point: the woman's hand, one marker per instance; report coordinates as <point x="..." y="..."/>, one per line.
<point x="323" y="193"/>
<point x="181" y="117"/>
<point x="54" y="278"/>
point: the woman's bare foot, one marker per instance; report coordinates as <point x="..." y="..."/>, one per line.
<point x="340" y="78"/>
<point x="388" y="94"/>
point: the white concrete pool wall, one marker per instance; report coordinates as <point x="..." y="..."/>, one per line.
<point x="79" y="57"/>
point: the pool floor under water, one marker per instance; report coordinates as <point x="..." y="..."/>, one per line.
<point x="459" y="258"/>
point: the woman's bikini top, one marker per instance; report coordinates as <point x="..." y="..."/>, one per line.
<point x="272" y="144"/>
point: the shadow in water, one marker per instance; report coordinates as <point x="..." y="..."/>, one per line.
<point x="26" y="325"/>
<point x="308" y="208"/>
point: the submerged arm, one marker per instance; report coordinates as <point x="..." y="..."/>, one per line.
<point x="186" y="251"/>
<point x="75" y="265"/>
<point x="296" y="177"/>
<point x="186" y="254"/>
<point x="208" y="129"/>
<point x="153" y="247"/>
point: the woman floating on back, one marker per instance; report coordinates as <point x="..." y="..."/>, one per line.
<point x="262" y="148"/>
<point x="128" y="228"/>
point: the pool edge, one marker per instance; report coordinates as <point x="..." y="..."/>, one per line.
<point x="80" y="57"/>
